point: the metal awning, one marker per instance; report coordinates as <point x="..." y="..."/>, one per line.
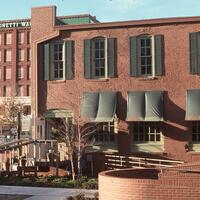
<point x="90" y="105"/>
<point x="154" y="106"/>
<point x="193" y="105"/>
<point x="136" y="106"/>
<point x="145" y="106"/>
<point x="99" y="107"/>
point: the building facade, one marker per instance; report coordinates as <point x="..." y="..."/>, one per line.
<point x="141" y="75"/>
<point x="138" y="79"/>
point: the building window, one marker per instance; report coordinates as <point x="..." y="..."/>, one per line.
<point x="145" y="56"/>
<point x="6" y="91"/>
<point x="99" y="56"/>
<point x="28" y="90"/>
<point x="0" y="39"/>
<point x="144" y="132"/>
<point x="105" y="133"/>
<point x="19" y="90"/>
<point x="7" y="73"/>
<point x="196" y="132"/>
<point x="7" y="55"/>
<point x="28" y="54"/>
<point x="0" y="56"/>
<point x="58" y="61"/>
<point x="28" y="72"/>
<point x="28" y="37"/>
<point x="8" y="38"/>
<point x="27" y="110"/>
<point x="19" y="73"/>
<point x="20" y="54"/>
<point x="21" y="37"/>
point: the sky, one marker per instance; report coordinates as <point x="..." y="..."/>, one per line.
<point x="105" y="10"/>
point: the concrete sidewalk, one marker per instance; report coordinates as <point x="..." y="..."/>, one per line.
<point x="44" y="193"/>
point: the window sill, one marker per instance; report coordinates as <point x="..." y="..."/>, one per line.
<point x="148" y="78"/>
<point x="98" y="80"/>
<point x="56" y="81"/>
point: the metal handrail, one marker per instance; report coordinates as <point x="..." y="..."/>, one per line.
<point x="139" y="161"/>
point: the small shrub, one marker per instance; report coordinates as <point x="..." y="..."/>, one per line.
<point x="80" y="196"/>
<point x="90" y="184"/>
<point x="70" y="183"/>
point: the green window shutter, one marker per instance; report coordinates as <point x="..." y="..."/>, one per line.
<point x="194" y="53"/>
<point x="111" y="57"/>
<point x="159" y="39"/>
<point x="87" y="59"/>
<point x="69" y="59"/>
<point x="46" y="61"/>
<point x="133" y="56"/>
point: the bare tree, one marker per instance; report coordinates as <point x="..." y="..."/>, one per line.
<point x="9" y="112"/>
<point x="76" y="138"/>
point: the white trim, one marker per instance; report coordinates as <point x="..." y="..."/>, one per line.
<point x="106" y="57"/>
<point x="153" y="56"/>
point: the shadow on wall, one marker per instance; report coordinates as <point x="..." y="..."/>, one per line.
<point x="175" y="126"/>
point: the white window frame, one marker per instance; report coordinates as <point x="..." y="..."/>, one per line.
<point x="52" y="60"/>
<point x="152" y="37"/>
<point x="105" y="57"/>
<point x="195" y="145"/>
<point x="107" y="128"/>
<point x="148" y="145"/>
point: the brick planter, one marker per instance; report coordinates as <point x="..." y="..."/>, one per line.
<point x="143" y="184"/>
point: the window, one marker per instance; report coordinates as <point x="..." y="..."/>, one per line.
<point x="28" y="54"/>
<point x="105" y="133"/>
<point x="58" y="61"/>
<point x="99" y="58"/>
<point x="144" y="132"/>
<point x="28" y="72"/>
<point x="21" y="55"/>
<point x="19" y="90"/>
<point x="0" y="56"/>
<point x="27" y="110"/>
<point x="28" y="37"/>
<point x="21" y="38"/>
<point x="147" y="137"/>
<point x="8" y="38"/>
<point x="7" y="55"/>
<point x="145" y="55"/>
<point x="28" y="90"/>
<point x="0" y="39"/>
<point x="195" y="136"/>
<point x="6" y="91"/>
<point x="19" y="73"/>
<point x="7" y="73"/>
<point x="196" y="132"/>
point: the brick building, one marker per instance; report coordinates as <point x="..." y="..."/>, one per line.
<point x="138" y="79"/>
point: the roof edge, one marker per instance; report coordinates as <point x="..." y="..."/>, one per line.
<point x="157" y="21"/>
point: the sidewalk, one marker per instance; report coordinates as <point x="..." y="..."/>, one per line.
<point x="44" y="193"/>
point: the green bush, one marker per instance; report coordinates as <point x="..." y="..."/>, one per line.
<point x="84" y="182"/>
<point x="70" y="183"/>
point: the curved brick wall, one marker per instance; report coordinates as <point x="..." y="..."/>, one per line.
<point x="144" y="184"/>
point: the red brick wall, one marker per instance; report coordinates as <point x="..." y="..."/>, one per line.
<point x="175" y="81"/>
<point x="176" y="187"/>
<point x="14" y="63"/>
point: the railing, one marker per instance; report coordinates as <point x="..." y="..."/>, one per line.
<point x="22" y="142"/>
<point x="120" y="162"/>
